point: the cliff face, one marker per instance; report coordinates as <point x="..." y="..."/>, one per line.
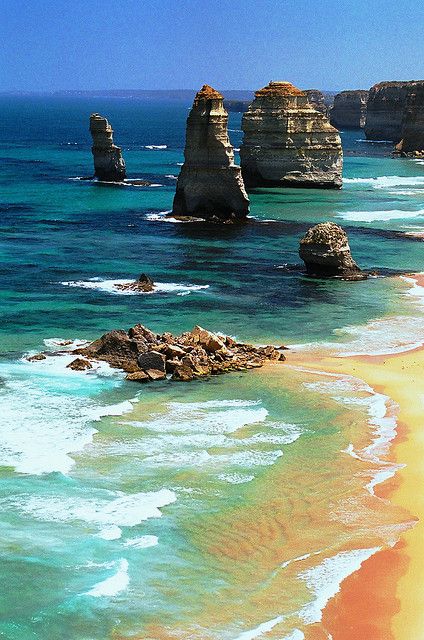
<point x="413" y="121"/>
<point x="349" y="109"/>
<point x="287" y="142"/>
<point x="109" y="164"/>
<point x="210" y="184"/>
<point x="385" y="109"/>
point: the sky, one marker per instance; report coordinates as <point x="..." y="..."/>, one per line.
<point x="49" y="45"/>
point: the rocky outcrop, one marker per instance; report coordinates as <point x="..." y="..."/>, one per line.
<point x="326" y="253"/>
<point x="385" y="110"/>
<point x="145" y="355"/>
<point x="109" y="165"/>
<point x="349" y="109"/>
<point x="289" y="143"/>
<point x="412" y="142"/>
<point x="317" y="100"/>
<point x="144" y="284"/>
<point x="210" y="185"/>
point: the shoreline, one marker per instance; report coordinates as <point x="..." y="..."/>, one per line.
<point x="382" y="596"/>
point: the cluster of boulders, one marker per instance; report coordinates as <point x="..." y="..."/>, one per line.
<point x="147" y="356"/>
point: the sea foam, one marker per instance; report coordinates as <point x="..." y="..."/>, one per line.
<point x="114" y="584"/>
<point x="109" y="286"/>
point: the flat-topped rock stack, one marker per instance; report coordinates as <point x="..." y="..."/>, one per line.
<point x="349" y="109"/>
<point x="385" y="110"/>
<point x="326" y="253"/>
<point x="210" y="185"/>
<point x="109" y="165"/>
<point x="148" y="356"/>
<point x="412" y="141"/>
<point x="287" y="142"/>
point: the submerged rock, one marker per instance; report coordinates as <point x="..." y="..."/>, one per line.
<point x="109" y="165"/>
<point x="412" y="142"/>
<point x="145" y="355"/>
<point x="287" y="142"/>
<point x="210" y="185"/>
<point x="349" y="109"/>
<point x="326" y="253"/>
<point x="385" y="110"/>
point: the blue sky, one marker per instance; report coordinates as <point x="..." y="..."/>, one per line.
<point x="231" y="44"/>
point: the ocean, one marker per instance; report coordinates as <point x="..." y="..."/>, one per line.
<point x="223" y="509"/>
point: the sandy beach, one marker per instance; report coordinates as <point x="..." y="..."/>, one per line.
<point x="381" y="600"/>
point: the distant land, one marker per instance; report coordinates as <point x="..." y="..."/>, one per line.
<point x="144" y="94"/>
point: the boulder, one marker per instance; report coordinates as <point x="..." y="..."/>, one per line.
<point x="116" y="348"/>
<point x="152" y="360"/>
<point x="156" y="374"/>
<point x="37" y="356"/>
<point x="287" y="142"/>
<point x="137" y="376"/>
<point x="109" y="165"/>
<point x="79" y="364"/>
<point x="349" y="109"/>
<point x="326" y="253"/>
<point x="210" y="185"/>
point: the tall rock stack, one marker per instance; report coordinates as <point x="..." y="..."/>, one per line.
<point x="349" y="109"/>
<point x="289" y="143"/>
<point x="412" y="141"/>
<point x="210" y="185"/>
<point x="385" y="110"/>
<point x="109" y="165"/>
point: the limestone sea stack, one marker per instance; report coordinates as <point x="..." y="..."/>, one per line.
<point x="412" y="142"/>
<point x="326" y="253"/>
<point x="109" y="165"/>
<point x="349" y="109"/>
<point x="317" y="100"/>
<point x="210" y="185"/>
<point x="385" y="110"/>
<point x="287" y="142"/>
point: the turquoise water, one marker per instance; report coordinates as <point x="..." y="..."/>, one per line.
<point x="119" y="505"/>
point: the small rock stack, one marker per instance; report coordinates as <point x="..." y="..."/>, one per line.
<point x="210" y="185"/>
<point x="109" y="165"/>
<point x="326" y="253"/>
<point x="145" y="355"/>
<point x="287" y="142"/>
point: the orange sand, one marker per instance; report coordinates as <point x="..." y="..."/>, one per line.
<point x="385" y="598"/>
